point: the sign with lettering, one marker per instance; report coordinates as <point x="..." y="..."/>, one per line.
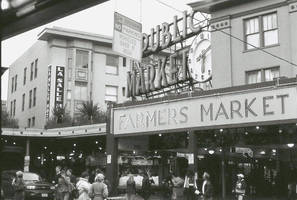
<point x="259" y="105"/>
<point x="48" y="93"/>
<point x="172" y="69"/>
<point x="127" y="38"/>
<point x="59" y="92"/>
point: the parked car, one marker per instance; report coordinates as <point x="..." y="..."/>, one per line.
<point x="36" y="188"/>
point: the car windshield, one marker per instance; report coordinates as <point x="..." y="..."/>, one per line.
<point x="31" y="177"/>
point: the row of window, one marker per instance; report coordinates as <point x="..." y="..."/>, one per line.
<point x="31" y="122"/>
<point x="261" y="31"/>
<point x="31" y="103"/>
<point x="261" y="75"/>
<point x="33" y="74"/>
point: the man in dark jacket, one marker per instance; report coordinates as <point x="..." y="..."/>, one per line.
<point x="207" y="188"/>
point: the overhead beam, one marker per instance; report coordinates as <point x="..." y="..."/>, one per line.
<point x="44" y="15"/>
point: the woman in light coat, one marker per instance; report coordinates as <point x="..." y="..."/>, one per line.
<point x="98" y="190"/>
<point x="83" y="186"/>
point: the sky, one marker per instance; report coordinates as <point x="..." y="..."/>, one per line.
<point x="97" y="19"/>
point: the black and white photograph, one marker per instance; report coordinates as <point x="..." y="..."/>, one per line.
<point x="148" y="100"/>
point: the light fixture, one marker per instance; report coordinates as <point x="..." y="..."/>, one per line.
<point x="14" y="143"/>
<point x="221" y="130"/>
<point x="290" y="145"/>
<point x="160" y="135"/>
<point x="45" y="147"/>
<point x="96" y="142"/>
<point x="211" y="151"/>
<point x="257" y="127"/>
<point x="262" y="152"/>
<point x="4" y="5"/>
<point x="134" y="152"/>
<point x="74" y="145"/>
<point x="273" y="150"/>
<point x="280" y="130"/>
<point x="220" y="150"/>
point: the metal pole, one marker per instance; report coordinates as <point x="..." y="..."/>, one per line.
<point x="223" y="174"/>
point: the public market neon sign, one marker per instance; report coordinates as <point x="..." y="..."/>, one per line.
<point x="161" y="38"/>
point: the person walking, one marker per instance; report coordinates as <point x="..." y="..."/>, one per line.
<point x="63" y="187"/>
<point x="146" y="186"/>
<point x="240" y="187"/>
<point x="71" y="181"/>
<point x="83" y="187"/>
<point x="131" y="188"/>
<point x="207" y="188"/>
<point x="19" y="186"/>
<point x="190" y="185"/>
<point x="98" y="190"/>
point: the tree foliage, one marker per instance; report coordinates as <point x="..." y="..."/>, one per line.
<point x="91" y="112"/>
<point x="7" y="121"/>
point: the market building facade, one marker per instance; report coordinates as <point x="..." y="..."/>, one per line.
<point x="245" y="124"/>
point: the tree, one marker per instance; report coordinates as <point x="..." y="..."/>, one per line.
<point x="92" y="112"/>
<point x="60" y="118"/>
<point x="7" y="121"/>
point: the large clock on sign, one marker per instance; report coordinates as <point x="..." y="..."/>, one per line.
<point x="199" y="60"/>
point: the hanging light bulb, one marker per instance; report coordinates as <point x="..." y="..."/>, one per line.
<point x="45" y="147"/>
<point x="14" y="143"/>
<point x="74" y="145"/>
<point x="211" y="151"/>
<point x="257" y="127"/>
<point x="290" y="145"/>
<point x="221" y="130"/>
<point x="96" y="142"/>
<point x="160" y="135"/>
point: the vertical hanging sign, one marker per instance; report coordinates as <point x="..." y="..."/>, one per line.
<point x="59" y="92"/>
<point x="127" y="37"/>
<point x="48" y="95"/>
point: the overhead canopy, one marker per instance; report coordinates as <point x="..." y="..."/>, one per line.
<point x="22" y="15"/>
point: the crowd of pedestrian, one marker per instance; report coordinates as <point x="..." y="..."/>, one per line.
<point x="85" y="187"/>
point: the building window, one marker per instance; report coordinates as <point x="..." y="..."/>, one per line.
<point x="261" y="31"/>
<point x="82" y="59"/>
<point x="29" y="123"/>
<point x="34" y="97"/>
<point x="31" y="71"/>
<point x="36" y="64"/>
<point x="11" y="108"/>
<point x="112" y="60"/>
<point x="25" y="76"/>
<point x="124" y="62"/>
<point x="15" y="82"/>
<point x="12" y="84"/>
<point x="23" y="102"/>
<point x="124" y="91"/>
<point x="112" y="65"/>
<point x="33" y="121"/>
<point x="81" y="91"/>
<point x="111" y="93"/>
<point x="261" y="75"/>
<point x="30" y="98"/>
<point x="14" y="105"/>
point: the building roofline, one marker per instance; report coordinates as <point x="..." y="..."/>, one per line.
<point x="48" y="33"/>
<point x="209" y="6"/>
<point x="65" y="132"/>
